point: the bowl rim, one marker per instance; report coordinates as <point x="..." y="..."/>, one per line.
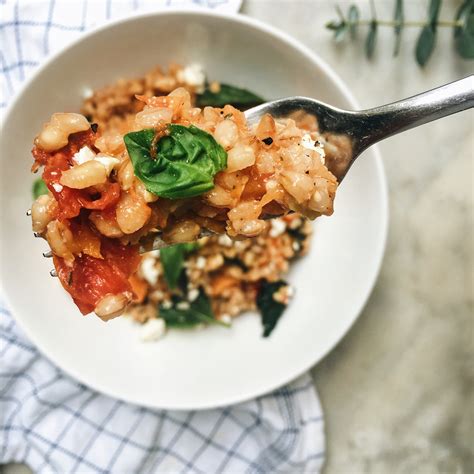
<point x="340" y="84"/>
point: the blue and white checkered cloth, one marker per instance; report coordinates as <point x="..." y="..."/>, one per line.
<point x="52" y="422"/>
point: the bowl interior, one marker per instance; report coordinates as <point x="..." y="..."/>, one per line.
<point x="215" y="366"/>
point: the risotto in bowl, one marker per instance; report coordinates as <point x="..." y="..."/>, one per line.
<point x="157" y="145"/>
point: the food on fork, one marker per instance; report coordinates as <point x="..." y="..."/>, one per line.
<point x="170" y="168"/>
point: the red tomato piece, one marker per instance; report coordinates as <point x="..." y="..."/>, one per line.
<point x="89" y="279"/>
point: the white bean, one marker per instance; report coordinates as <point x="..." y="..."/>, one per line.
<point x="132" y="212"/>
<point x="105" y="226"/>
<point x="55" y="133"/>
<point x="126" y="175"/>
<point x="184" y="231"/>
<point x="110" y="306"/>
<point x="143" y="192"/>
<point x="60" y="239"/>
<point x="43" y="212"/>
<point x="90" y="173"/>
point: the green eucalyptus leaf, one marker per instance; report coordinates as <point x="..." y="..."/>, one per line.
<point x="398" y="18"/>
<point x="464" y="34"/>
<point x="433" y="11"/>
<point x="340" y="33"/>
<point x="371" y="38"/>
<point x="341" y="15"/>
<point x="425" y="45"/>
<point x="353" y="16"/>
<point x="333" y="25"/>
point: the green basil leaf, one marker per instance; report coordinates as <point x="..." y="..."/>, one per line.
<point x="239" y="98"/>
<point x="398" y="18"/>
<point x="172" y="259"/>
<point x="199" y="312"/>
<point x="370" y="41"/>
<point x="186" y="161"/>
<point x="464" y="34"/>
<point x="39" y="188"/>
<point x="270" y="309"/>
<point x="425" y="45"/>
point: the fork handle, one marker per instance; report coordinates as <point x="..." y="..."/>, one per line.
<point x="382" y="122"/>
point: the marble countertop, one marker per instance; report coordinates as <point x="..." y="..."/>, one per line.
<point x="398" y="391"/>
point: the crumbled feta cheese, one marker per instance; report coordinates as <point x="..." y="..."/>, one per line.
<point x="57" y="187"/>
<point x="167" y="304"/>
<point x="226" y="319"/>
<point x="310" y="144"/>
<point x="86" y="154"/>
<point x="193" y="294"/>
<point x="296" y="246"/>
<point x="153" y="330"/>
<point x="83" y="155"/>
<point x="201" y="262"/>
<point x="194" y="76"/>
<point x="183" y="305"/>
<point x="149" y="271"/>
<point x="225" y="240"/>
<point x="87" y="93"/>
<point x="278" y="227"/>
<point x="109" y="162"/>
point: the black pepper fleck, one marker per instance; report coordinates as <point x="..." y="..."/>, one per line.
<point x="268" y="140"/>
<point x="94" y="127"/>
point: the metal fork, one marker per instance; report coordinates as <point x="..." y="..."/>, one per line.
<point x="366" y="127"/>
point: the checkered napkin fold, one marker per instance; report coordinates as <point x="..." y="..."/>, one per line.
<point x="54" y="423"/>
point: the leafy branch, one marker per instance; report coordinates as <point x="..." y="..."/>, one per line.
<point x="462" y="25"/>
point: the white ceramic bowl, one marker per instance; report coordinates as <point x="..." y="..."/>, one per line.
<point x="216" y="366"/>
